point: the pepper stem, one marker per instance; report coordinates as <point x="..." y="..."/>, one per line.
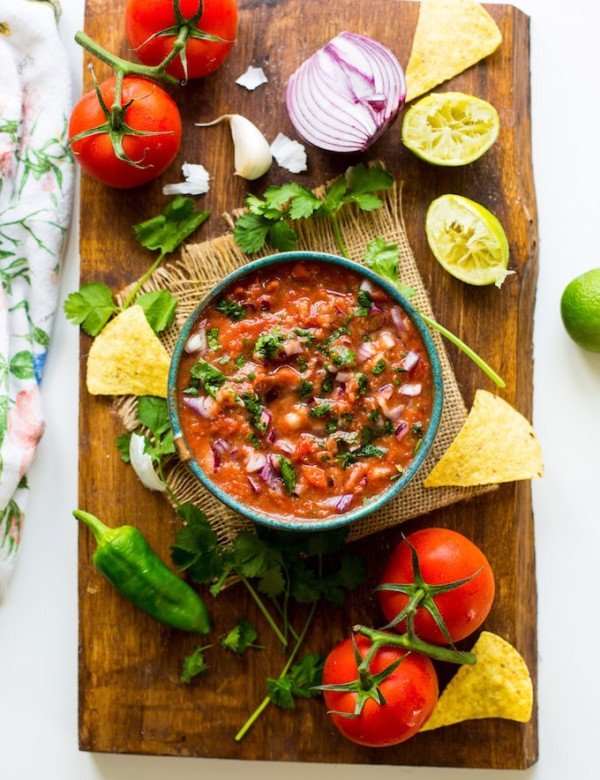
<point x="97" y="526"/>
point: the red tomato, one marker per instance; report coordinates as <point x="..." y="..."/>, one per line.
<point x="146" y="19"/>
<point x="151" y="110"/>
<point x="444" y="556"/>
<point x="410" y="693"/>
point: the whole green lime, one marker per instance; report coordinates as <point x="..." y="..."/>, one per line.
<point x="580" y="310"/>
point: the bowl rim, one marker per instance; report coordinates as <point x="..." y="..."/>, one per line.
<point x="376" y="502"/>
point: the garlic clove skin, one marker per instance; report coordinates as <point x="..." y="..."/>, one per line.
<point x="252" y="153"/>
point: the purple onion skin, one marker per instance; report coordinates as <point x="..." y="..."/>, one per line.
<point x="325" y="126"/>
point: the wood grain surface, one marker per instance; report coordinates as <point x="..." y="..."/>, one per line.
<point x="130" y="697"/>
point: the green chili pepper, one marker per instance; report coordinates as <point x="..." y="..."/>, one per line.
<point x="128" y="562"/>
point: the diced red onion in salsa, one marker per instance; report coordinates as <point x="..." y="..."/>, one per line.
<point x="311" y="395"/>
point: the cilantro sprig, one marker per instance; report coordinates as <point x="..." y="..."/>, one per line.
<point x="384" y="258"/>
<point x="93" y="304"/>
<point x="155" y="426"/>
<point x="276" y="569"/>
<point x="270" y="219"/>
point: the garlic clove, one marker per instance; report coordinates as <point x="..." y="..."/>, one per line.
<point x="252" y="154"/>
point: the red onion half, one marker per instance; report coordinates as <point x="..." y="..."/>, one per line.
<point x="346" y="94"/>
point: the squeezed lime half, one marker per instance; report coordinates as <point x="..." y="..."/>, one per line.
<point x="450" y="128"/>
<point x="467" y="240"/>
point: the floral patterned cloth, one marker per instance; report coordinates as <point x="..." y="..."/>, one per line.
<point x="36" y="183"/>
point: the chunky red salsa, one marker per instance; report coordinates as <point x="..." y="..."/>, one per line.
<point x="304" y="390"/>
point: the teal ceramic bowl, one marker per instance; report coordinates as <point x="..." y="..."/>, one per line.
<point x="304" y="524"/>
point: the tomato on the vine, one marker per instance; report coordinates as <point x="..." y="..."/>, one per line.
<point x="144" y="143"/>
<point x="393" y="709"/>
<point x="152" y="27"/>
<point x="444" y="557"/>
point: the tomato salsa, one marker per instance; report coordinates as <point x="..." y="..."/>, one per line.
<point x="304" y="390"/>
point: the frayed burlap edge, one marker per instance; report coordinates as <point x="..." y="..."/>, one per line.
<point x="202" y="266"/>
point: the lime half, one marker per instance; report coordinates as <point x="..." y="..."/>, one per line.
<point x="450" y="128"/>
<point x="467" y="240"/>
<point x="580" y="310"/>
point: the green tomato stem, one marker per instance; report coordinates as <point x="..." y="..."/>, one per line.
<point x="385" y="639"/>
<point x="126" y="68"/>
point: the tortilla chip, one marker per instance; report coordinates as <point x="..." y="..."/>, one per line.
<point x="451" y="35"/>
<point x="497" y="686"/>
<point x="127" y="358"/>
<point x="496" y="444"/>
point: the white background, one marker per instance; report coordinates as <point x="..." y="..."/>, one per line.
<point x="38" y="620"/>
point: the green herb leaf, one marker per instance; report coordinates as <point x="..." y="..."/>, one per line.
<point x="123" y="446"/>
<point x="167" y="230"/>
<point x="270" y="345"/>
<point x="288" y="474"/>
<point x="301" y="681"/>
<point x="241" y="637"/>
<point x="159" y="307"/>
<point x="364" y="179"/>
<point x="282" y="236"/>
<point x="196" y="549"/>
<point x="250" y="232"/>
<point x="194" y="665"/>
<point x="384" y="259"/>
<point x="342" y="356"/>
<point x="379" y="367"/>
<point x="231" y="308"/>
<point x="321" y="409"/>
<point x="255" y="409"/>
<point x="209" y="376"/>
<point x="153" y="413"/>
<point x="91" y="307"/>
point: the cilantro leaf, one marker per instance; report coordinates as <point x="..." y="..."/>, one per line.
<point x="278" y="196"/>
<point x="232" y="309"/>
<point x="123" y="446"/>
<point x="241" y="637"/>
<point x="253" y="556"/>
<point x="167" y="230"/>
<point x="364" y="179"/>
<point x="250" y="232"/>
<point x="301" y="681"/>
<point x="209" y="376"/>
<point x="270" y="345"/>
<point x="152" y="413"/>
<point x="366" y="201"/>
<point x="255" y="409"/>
<point x="194" y="664"/>
<point x="159" y="307"/>
<point x="196" y="548"/>
<point x="304" y="205"/>
<point x="91" y="307"/>
<point x="282" y="236"/>
<point x="384" y="259"/>
<point x="287" y="474"/>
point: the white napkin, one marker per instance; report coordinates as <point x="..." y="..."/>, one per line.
<point x="36" y="184"/>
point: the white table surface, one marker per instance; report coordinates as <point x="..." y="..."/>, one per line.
<point x="38" y="619"/>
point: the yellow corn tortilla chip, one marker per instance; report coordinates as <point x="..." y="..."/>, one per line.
<point x="451" y="35"/>
<point x="127" y="358"/>
<point x="497" y="686"/>
<point x="496" y="444"/>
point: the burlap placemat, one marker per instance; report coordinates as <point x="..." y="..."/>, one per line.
<point x="202" y="266"/>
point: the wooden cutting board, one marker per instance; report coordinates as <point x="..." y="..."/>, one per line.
<point x="130" y="697"/>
